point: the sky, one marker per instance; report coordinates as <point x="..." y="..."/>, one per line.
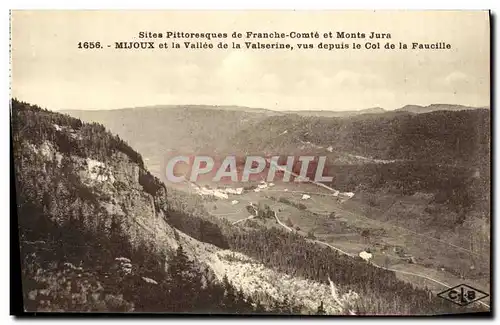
<point x="49" y="70"/>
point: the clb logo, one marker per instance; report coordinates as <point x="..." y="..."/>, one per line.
<point x="463" y="295"/>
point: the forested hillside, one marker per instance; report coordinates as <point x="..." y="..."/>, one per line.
<point x="443" y="153"/>
<point x="458" y="138"/>
<point x="382" y="292"/>
<point x="81" y="250"/>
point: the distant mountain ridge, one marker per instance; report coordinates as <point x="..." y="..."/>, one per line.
<point x="410" y="108"/>
<point x="437" y="107"/>
<point x="453" y="133"/>
<point x="194" y="107"/>
<point x="326" y="113"/>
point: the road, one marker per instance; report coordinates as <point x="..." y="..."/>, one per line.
<point x="241" y="220"/>
<point x="387" y="223"/>
<point x="378" y="266"/>
<point x="352" y="255"/>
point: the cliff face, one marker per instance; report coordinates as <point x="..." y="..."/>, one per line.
<point x="118" y="194"/>
<point x="101" y="191"/>
<point x="89" y="212"/>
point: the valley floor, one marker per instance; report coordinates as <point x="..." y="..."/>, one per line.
<point x="421" y="259"/>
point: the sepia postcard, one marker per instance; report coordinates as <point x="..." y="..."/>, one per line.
<point x="251" y="162"/>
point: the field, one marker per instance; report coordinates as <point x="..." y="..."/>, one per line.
<point x="423" y="259"/>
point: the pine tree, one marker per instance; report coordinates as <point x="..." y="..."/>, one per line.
<point x="285" y="305"/>
<point x="259" y="308"/>
<point x="321" y="309"/>
<point x="213" y="298"/>
<point x="229" y="297"/>
<point x="185" y="282"/>
<point x="240" y="303"/>
<point x="249" y="305"/>
<point x="297" y="309"/>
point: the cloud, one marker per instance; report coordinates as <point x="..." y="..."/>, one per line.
<point x="242" y="78"/>
<point x="187" y="77"/>
<point x="356" y="80"/>
<point x="341" y="82"/>
<point x="455" y="81"/>
<point x="238" y="71"/>
<point x="455" y="77"/>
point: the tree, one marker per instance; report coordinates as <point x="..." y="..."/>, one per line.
<point x="387" y="261"/>
<point x="297" y="308"/>
<point x="230" y="295"/>
<point x="286" y="305"/>
<point x="185" y="282"/>
<point x="310" y="234"/>
<point x="119" y="243"/>
<point x="321" y="309"/>
<point x="240" y="303"/>
<point x="259" y="308"/>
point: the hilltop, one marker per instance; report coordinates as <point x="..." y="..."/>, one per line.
<point x="328" y="113"/>
<point x="437" y="107"/>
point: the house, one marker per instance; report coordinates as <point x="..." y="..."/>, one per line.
<point x="365" y="255"/>
<point x="348" y="194"/>
<point x="238" y="190"/>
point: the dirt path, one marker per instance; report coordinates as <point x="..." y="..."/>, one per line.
<point x="241" y="220"/>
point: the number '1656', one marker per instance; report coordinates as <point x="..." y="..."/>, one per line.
<point x="89" y="45"/>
